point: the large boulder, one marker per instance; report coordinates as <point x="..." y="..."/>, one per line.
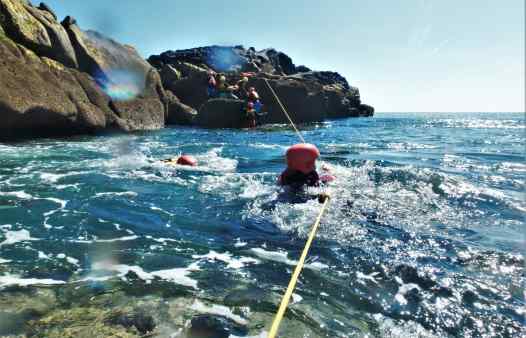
<point x="37" y="30"/>
<point x="222" y="113"/>
<point x="40" y="97"/>
<point x="178" y="112"/>
<point x="304" y="101"/>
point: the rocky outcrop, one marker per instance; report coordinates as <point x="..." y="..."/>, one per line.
<point x="56" y="79"/>
<point x="178" y="112"/>
<point x="308" y="95"/>
<point x="41" y="97"/>
<point x="37" y="30"/>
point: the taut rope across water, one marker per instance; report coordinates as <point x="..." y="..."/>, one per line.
<point x="299" y="267"/>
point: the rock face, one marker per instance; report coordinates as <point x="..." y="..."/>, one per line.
<point x="308" y="95"/>
<point x="56" y="79"/>
<point x="222" y="113"/>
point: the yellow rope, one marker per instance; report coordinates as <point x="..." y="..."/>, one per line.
<point x="292" y="284"/>
<point x="284" y="111"/>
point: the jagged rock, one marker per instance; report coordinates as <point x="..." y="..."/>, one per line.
<point x="210" y="326"/>
<point x="46" y="8"/>
<point x="178" y="112"/>
<point x="54" y="103"/>
<point x="222" y="113"/>
<point x="142" y="322"/>
<point x="366" y="110"/>
<point x="21" y="26"/>
<point x="37" y="30"/>
<point x="303" y="69"/>
<point x="61" y="48"/>
<point x="169" y="74"/>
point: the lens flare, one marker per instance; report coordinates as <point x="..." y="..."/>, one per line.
<point x="121" y="84"/>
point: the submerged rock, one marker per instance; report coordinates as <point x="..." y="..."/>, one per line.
<point x="211" y="326"/>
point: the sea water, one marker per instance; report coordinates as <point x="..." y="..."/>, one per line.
<point x="424" y="234"/>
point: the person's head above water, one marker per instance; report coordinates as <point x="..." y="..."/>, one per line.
<point x="302" y="157"/>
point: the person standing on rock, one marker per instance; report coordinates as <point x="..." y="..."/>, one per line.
<point x="211" y="88"/>
<point x="250" y="115"/>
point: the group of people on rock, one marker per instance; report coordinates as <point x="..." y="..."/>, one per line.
<point x="217" y="87"/>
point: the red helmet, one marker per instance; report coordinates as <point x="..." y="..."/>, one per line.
<point x="187" y="160"/>
<point x="302" y="157"/>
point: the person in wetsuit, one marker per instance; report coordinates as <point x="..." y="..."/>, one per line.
<point x="301" y="168"/>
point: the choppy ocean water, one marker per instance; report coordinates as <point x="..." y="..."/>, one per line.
<point x="424" y="236"/>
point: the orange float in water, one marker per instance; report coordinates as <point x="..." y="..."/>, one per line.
<point x="302" y="157"/>
<point x="187" y="160"/>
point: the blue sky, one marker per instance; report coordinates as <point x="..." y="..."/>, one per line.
<point x="404" y="56"/>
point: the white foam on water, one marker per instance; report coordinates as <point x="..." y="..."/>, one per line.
<point x="176" y="275"/>
<point x="232" y="186"/>
<point x="53" y="178"/>
<point x="401" y="329"/>
<point x="226" y="257"/>
<point x="218" y="310"/>
<point x="42" y="255"/>
<point x="120" y="239"/>
<point x="267" y="146"/>
<point x="123" y="193"/>
<point x="282" y="257"/>
<point x="162" y="210"/>
<point x="239" y="243"/>
<point x="18" y="194"/>
<point x="12" y="237"/>
<point x="403" y="289"/>
<point x="3" y="261"/>
<point x="70" y="260"/>
<point x="296" y="298"/>
<point x="9" y="280"/>
<point x="363" y="277"/>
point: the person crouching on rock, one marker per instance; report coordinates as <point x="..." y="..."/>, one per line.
<point x="242" y="87"/>
<point x="224" y="90"/>
<point x="251" y="115"/>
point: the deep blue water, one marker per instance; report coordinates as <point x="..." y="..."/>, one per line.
<point x="424" y="234"/>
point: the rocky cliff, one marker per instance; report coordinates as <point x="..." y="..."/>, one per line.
<point x="56" y="79"/>
<point x="307" y="95"/>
